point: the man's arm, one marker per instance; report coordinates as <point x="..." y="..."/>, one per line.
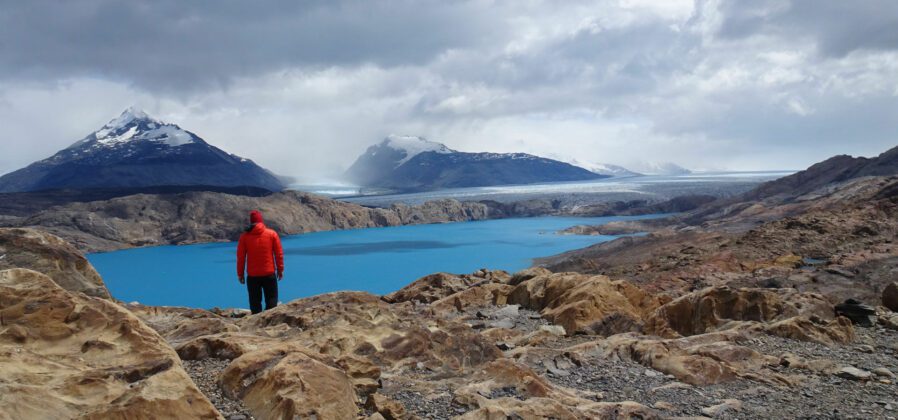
<point x="241" y="259"/>
<point x="278" y="255"/>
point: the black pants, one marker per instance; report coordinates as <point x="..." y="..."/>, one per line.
<point x="256" y="286"/>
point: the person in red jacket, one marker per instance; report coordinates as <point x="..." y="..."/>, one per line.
<point x="261" y="258"/>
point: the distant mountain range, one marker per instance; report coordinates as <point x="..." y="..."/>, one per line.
<point x="411" y="163"/>
<point x="602" y="168"/>
<point x="659" y="168"/>
<point x="138" y="151"/>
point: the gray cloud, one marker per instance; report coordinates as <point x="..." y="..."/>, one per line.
<point x="836" y="27"/>
<point x="303" y="87"/>
<point x="175" y="45"/>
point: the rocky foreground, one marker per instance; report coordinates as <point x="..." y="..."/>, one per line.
<point x="488" y="345"/>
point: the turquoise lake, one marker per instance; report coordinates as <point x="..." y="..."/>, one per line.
<point x="377" y="260"/>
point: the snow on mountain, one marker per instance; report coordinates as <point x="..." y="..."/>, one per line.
<point x="134" y="125"/>
<point x="413" y="146"/>
<point x="411" y="163"/>
<point x="603" y="168"/>
<point x="135" y="150"/>
<point x="659" y="168"/>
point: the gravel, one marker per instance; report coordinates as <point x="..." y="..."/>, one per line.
<point x="436" y="407"/>
<point x="205" y="374"/>
<point x="819" y="396"/>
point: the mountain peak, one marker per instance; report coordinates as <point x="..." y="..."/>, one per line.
<point x="136" y="125"/>
<point x="129" y="115"/>
<point x="413" y="146"/>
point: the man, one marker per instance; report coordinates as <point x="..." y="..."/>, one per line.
<point x="260" y="255"/>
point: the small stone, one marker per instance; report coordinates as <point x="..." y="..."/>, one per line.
<point x="672" y="385"/>
<point x="558" y="372"/>
<point x="865" y="348"/>
<point x="853" y="373"/>
<point x="652" y="373"/>
<point x="505" y="346"/>
<point x="883" y="372"/>
<point x="553" y="329"/>
<point x="719" y="409"/>
<point x="507" y="311"/>
<point x="664" y="405"/>
<point x="563" y="363"/>
<point x="502" y="323"/>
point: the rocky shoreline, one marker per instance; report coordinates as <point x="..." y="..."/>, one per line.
<point x="190" y="217"/>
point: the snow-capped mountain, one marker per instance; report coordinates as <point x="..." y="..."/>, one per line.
<point x="603" y="168"/>
<point x="415" y="163"/>
<point x="413" y="146"/>
<point x="659" y="168"/>
<point x="135" y="150"/>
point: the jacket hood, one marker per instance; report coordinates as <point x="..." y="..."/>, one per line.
<point x="256" y="228"/>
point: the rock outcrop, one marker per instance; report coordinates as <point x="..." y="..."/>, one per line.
<point x="286" y="381"/>
<point x="822" y="244"/>
<point x="67" y="355"/>
<point x="590" y="305"/>
<point x="715" y="307"/>
<point x="50" y="255"/>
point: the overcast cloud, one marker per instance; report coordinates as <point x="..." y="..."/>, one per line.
<point x="304" y="87"/>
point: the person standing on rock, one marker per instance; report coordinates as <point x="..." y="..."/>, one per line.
<point x="261" y="257"/>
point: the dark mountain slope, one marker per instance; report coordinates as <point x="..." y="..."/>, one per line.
<point x="134" y="151"/>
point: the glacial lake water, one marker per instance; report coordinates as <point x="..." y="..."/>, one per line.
<point x="377" y="260"/>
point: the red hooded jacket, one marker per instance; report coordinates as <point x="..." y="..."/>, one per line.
<point x="258" y="251"/>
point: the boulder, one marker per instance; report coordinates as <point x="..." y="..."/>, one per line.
<point x="506" y="389"/>
<point x="389" y="408"/>
<point x="392" y="336"/>
<point x="857" y="312"/>
<point x="68" y="355"/>
<point x="45" y="253"/>
<point x="477" y="296"/>
<point x="289" y="381"/>
<point x="713" y="308"/>
<point x="527" y="274"/>
<point x="181" y="325"/>
<point x="585" y="304"/>
<point x="704" y="359"/>
<point x="813" y="329"/>
<point x="430" y="288"/>
<point x="890" y="296"/>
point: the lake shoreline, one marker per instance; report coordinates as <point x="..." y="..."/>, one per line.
<point x="200" y="275"/>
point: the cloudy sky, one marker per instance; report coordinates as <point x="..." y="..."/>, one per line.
<point x="304" y="87"/>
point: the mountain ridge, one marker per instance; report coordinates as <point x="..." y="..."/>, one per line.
<point x="136" y="150"/>
<point x="410" y="163"/>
